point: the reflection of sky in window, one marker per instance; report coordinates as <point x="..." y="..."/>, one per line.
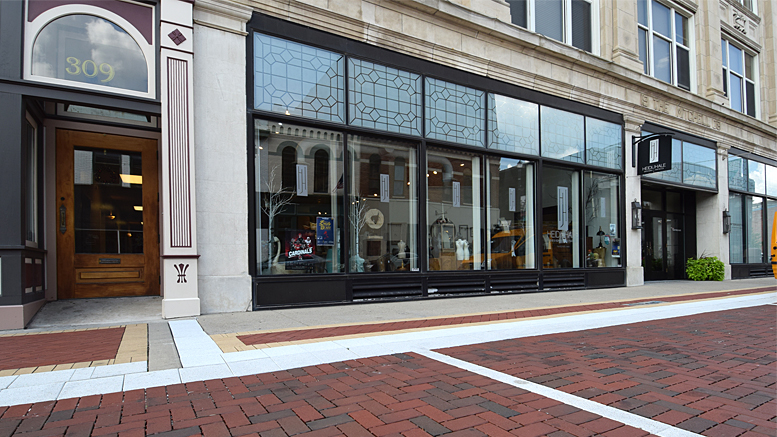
<point x="67" y="47"/>
<point x="736" y="173"/>
<point x="771" y="180"/>
<point x="562" y="134"/>
<point x="698" y="165"/>
<point x="756" y="178"/>
<point x="514" y="125"/>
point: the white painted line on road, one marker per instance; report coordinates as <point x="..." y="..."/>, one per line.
<point x="624" y="417"/>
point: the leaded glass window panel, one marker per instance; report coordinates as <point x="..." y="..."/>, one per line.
<point x="562" y="135"/>
<point x="384" y="98"/>
<point x="698" y="165"/>
<point x="603" y="143"/>
<point x="513" y="125"/>
<point x="737" y="173"/>
<point x="455" y="113"/>
<point x="296" y="79"/>
<point x="756" y="180"/>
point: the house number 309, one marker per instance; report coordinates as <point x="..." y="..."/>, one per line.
<point x="89" y="68"/>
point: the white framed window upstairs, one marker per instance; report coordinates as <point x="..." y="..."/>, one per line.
<point x="740" y="73"/>
<point x="665" y="43"/>
<point x="572" y="22"/>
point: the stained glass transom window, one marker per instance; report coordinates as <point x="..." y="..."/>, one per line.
<point x="384" y="98"/>
<point x="297" y="79"/>
<point x="603" y="143"/>
<point x="513" y="125"/>
<point x="455" y="113"/>
<point x="698" y="165"/>
<point x="737" y="173"/>
<point x="562" y="135"/>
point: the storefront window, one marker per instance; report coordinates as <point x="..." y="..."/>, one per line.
<point x="754" y="220"/>
<point x="510" y="215"/>
<point x="737" y="173"/>
<point x="296" y="79"/>
<point x="603" y="143"/>
<point x="603" y="242"/>
<point x="383" y="206"/>
<point x="736" y="236"/>
<point x="91" y="50"/>
<point x="299" y="230"/>
<point x="455" y="113"/>
<point x="771" y="180"/>
<point x="513" y="125"/>
<point x="560" y="218"/>
<point x="453" y="206"/>
<point x="756" y="181"/>
<point x="698" y="165"/>
<point x="771" y="209"/>
<point x="562" y="135"/>
<point x="384" y="98"/>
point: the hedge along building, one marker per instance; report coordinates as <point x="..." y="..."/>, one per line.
<point x="98" y="159"/>
<point x="448" y="148"/>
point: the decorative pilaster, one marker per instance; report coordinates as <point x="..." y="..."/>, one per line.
<point x="635" y="274"/>
<point x="625" y="51"/>
<point x="179" y="238"/>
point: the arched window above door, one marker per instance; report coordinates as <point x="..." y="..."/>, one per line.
<point x="88" y="47"/>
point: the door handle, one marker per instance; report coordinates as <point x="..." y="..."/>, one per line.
<point x="62" y="219"/>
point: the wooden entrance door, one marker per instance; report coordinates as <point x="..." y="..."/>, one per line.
<point x="107" y="215"/>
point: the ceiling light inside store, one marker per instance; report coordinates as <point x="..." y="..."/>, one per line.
<point x="131" y="179"/>
<point x="138" y="207"/>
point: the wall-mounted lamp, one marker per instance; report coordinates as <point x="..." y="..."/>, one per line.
<point x="636" y="215"/>
<point x="726" y="222"/>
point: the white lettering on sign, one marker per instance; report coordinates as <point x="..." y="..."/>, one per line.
<point x="307" y="251"/>
<point x="654" y="150"/>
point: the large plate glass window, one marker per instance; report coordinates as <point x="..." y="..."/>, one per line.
<point x="299" y="199"/>
<point x="101" y="52"/>
<point x="560" y="218"/>
<point x="739" y="78"/>
<point x="568" y="21"/>
<point x="383" y="206"/>
<point x="664" y="43"/>
<point x="454" y="210"/>
<point x="509" y="215"/>
<point x="736" y="235"/>
<point x="601" y="194"/>
<point x="297" y="79"/>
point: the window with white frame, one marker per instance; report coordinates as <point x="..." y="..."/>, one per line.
<point x="748" y="4"/>
<point x="664" y="43"/>
<point x="568" y="21"/>
<point x="739" y="78"/>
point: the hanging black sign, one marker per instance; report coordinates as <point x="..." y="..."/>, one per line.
<point x="654" y="154"/>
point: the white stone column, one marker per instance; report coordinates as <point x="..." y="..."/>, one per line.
<point x="178" y="238"/>
<point x="711" y="241"/>
<point x="222" y="166"/>
<point x="634" y="271"/>
<point x="622" y="35"/>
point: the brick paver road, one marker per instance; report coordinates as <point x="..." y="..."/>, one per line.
<point x="712" y="374"/>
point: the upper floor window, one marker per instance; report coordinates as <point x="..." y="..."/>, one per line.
<point x="92" y="47"/>
<point x="748" y="4"/>
<point x="664" y="43"/>
<point x="568" y="21"/>
<point x="739" y="78"/>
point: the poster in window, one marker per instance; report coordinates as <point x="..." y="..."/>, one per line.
<point x="300" y="250"/>
<point x="324" y="231"/>
<point x="384" y="188"/>
<point x="302" y="180"/>
<point x="511" y="195"/>
<point x="456" y="194"/>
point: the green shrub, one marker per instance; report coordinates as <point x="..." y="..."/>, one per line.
<point x="706" y="268"/>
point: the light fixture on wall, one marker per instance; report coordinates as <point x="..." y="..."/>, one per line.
<point x="636" y="215"/>
<point x="726" y="222"/>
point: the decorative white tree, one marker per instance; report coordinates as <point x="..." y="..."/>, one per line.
<point x="277" y="198"/>
<point x="358" y="218"/>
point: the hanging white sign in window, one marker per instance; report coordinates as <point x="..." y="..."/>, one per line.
<point x="302" y="180"/>
<point x="125" y="169"/>
<point x="602" y="208"/>
<point x="511" y="195"/>
<point x="83" y="167"/>
<point x="562" y="208"/>
<point x="384" y="188"/>
<point x="456" y="194"/>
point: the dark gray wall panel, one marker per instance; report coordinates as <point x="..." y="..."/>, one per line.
<point x="10" y="170"/>
<point x="11" y="34"/>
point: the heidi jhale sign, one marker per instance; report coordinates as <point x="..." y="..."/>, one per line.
<point x="654" y="155"/>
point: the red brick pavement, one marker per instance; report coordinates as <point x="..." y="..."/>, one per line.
<point x="334" y="331"/>
<point x="398" y="395"/>
<point x="714" y="373"/>
<point x="36" y="350"/>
